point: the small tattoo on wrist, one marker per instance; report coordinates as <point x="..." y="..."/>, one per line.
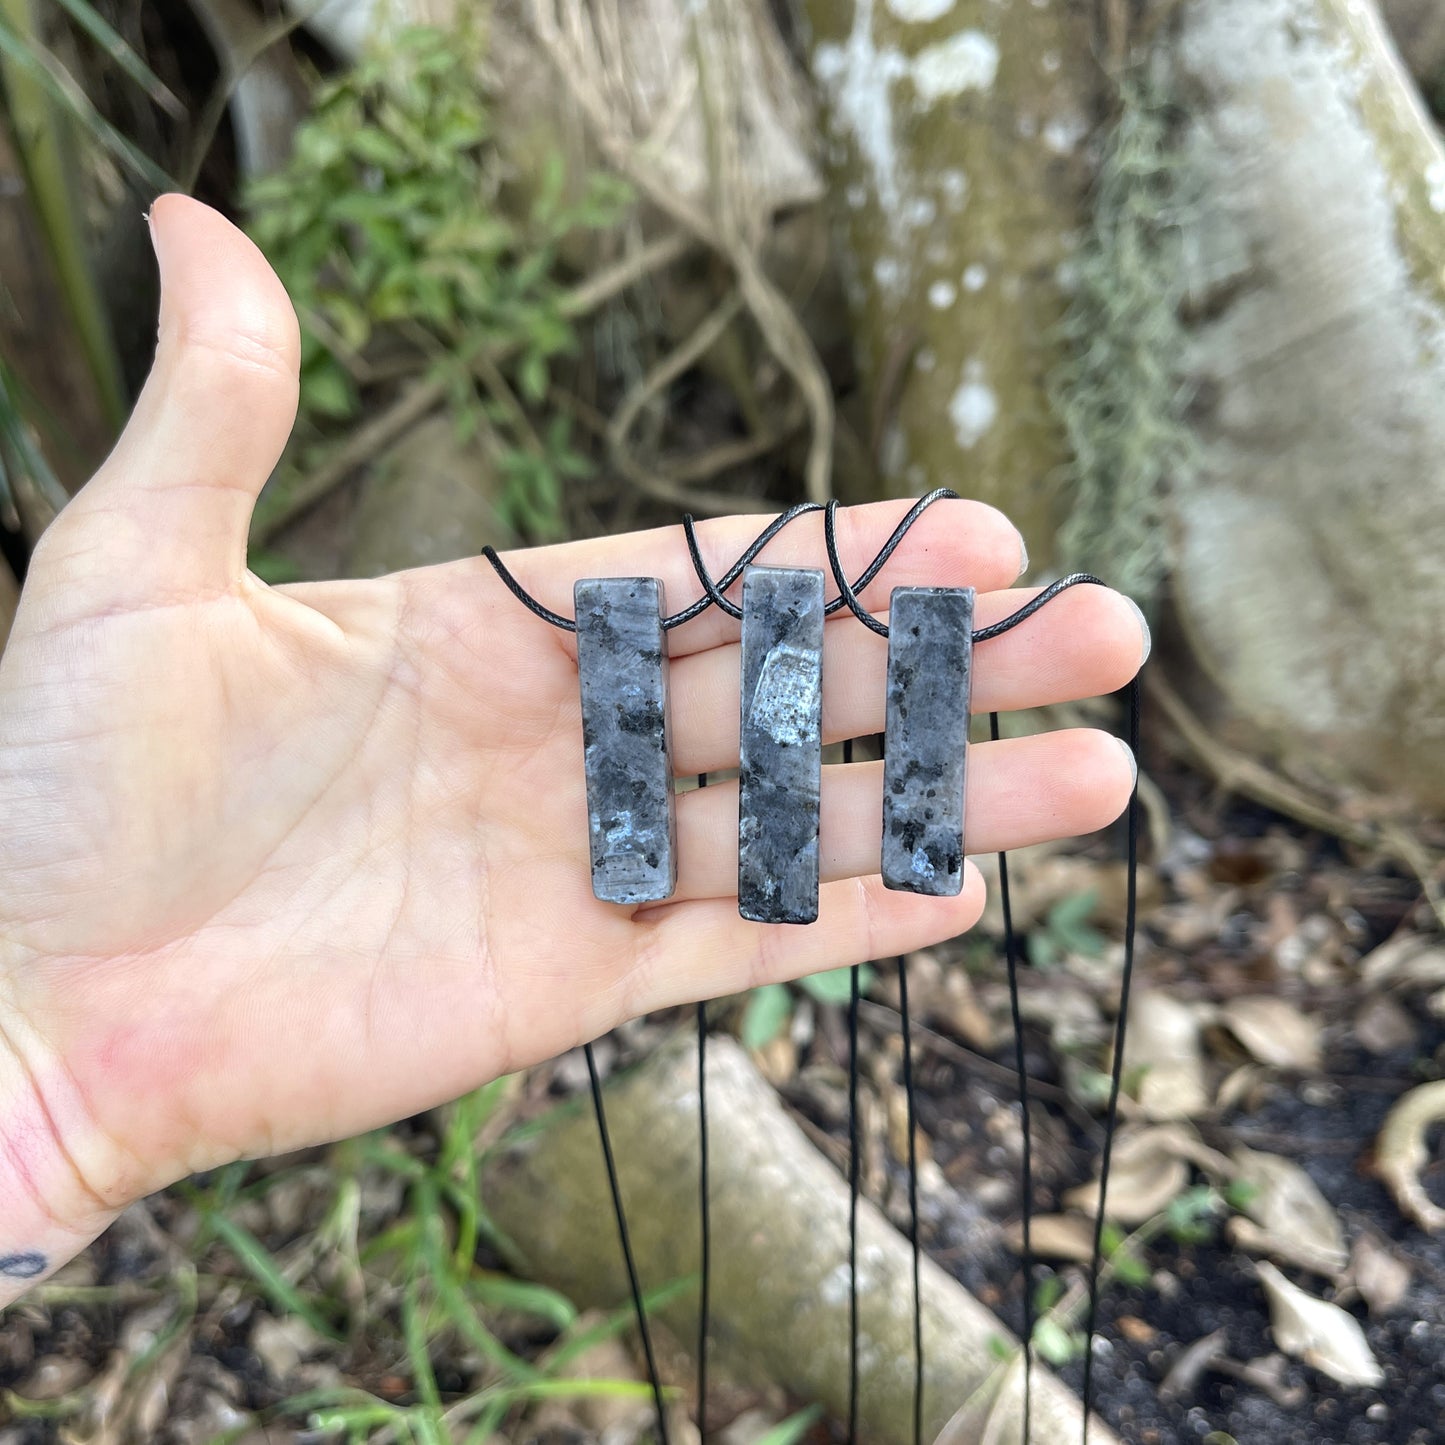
<point x="25" y="1265"/>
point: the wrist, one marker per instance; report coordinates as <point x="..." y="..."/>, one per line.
<point x="52" y="1159"/>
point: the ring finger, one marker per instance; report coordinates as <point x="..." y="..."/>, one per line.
<point x="1020" y="791"/>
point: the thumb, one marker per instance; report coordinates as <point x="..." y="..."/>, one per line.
<point x="166" y="517"/>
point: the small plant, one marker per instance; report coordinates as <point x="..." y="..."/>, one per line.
<point x="1191" y="1215"/>
<point x="389" y="230"/>
<point x="412" y="1291"/>
<point x="1055" y="1337"/>
<point x="770" y="1008"/>
<point x="1067" y="930"/>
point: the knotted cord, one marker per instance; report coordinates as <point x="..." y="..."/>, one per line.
<point x="714" y="591"/>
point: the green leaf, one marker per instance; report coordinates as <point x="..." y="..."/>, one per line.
<point x="1043" y="951"/>
<point x="766" y="1015"/>
<point x="1068" y="923"/>
<point x="791" y="1430"/>
<point x="501" y="1291"/>
<point x="835" y="985"/>
<point x="1054" y="1343"/>
<point x="1047" y="1293"/>
<point x="1239" y="1194"/>
<point x="326" y="389"/>
<point x="533" y="378"/>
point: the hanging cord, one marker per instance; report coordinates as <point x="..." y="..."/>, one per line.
<point x="854" y="1184"/>
<point x="714" y="589"/>
<point x="854" y="1178"/>
<point x="1026" y="1181"/>
<point x="909" y="1096"/>
<point x="632" y="1281"/>
<point x="1116" y="1073"/>
<point x="704" y="1210"/>
<point x="713" y="595"/>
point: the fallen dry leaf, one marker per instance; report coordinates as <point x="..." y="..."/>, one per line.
<point x="1382" y="1279"/>
<point x="1147" y="1172"/>
<point x="1141" y="1332"/>
<point x="1274" y="1031"/>
<point x="1382" y="1026"/>
<point x="1163" y="1047"/>
<point x="1321" y="1334"/>
<point x="1403" y="961"/>
<point x="1288" y="1205"/>
<point x="1401" y="1153"/>
<point x="1241" y="1088"/>
<point x="1056" y="1236"/>
<point x="1243" y="1233"/>
<point x="1193" y="1362"/>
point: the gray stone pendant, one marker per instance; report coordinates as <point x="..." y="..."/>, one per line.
<point x="627" y="738"/>
<point x="781" y="744"/>
<point x="925" y="742"/>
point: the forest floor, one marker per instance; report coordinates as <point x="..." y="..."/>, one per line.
<point x="281" y="1301"/>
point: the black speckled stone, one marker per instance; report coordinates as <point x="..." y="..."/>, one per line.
<point x="627" y="737"/>
<point x="930" y="660"/>
<point x="781" y="745"/>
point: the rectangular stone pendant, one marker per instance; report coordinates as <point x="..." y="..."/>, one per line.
<point x="925" y="741"/>
<point x="781" y="744"/>
<point x="627" y="738"/>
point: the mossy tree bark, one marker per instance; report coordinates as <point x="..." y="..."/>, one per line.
<point x="1307" y="554"/>
<point x="780" y="1251"/>
<point x="955" y="134"/>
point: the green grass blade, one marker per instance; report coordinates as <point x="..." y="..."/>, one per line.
<point x="38" y="128"/>
<point x="791" y="1430"/>
<point x="126" y="60"/>
<point x="28" y="56"/>
<point x="501" y="1291"/>
<point x="254" y="1256"/>
<point x="619" y="1320"/>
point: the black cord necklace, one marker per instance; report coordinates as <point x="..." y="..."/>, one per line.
<point x="714" y="595"/>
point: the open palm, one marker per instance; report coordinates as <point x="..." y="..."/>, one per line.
<point x="281" y="863"/>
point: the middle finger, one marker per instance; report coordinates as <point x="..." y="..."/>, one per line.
<point x="1087" y="641"/>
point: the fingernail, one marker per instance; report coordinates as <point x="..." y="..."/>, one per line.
<point x="1133" y="761"/>
<point x="1023" y="555"/>
<point x="1143" y="627"/>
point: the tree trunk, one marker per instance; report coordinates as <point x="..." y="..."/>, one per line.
<point x="779" y="1249"/>
<point x="955" y="145"/>
<point x="1307" y="548"/>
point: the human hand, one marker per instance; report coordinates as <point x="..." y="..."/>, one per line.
<point x="279" y="864"/>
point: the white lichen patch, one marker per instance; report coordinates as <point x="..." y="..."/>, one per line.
<point x="920" y="212"/>
<point x="1063" y="133"/>
<point x="942" y="295"/>
<point x="1435" y="184"/>
<point x="953" y="186"/>
<point x="860" y="77"/>
<point x="919" y="12"/>
<point x="966" y="61"/>
<point x="975" y="277"/>
<point x="973" y="408"/>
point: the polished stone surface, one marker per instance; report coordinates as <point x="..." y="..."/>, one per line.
<point x="930" y="659"/>
<point x="781" y="744"/>
<point x="627" y="738"/>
